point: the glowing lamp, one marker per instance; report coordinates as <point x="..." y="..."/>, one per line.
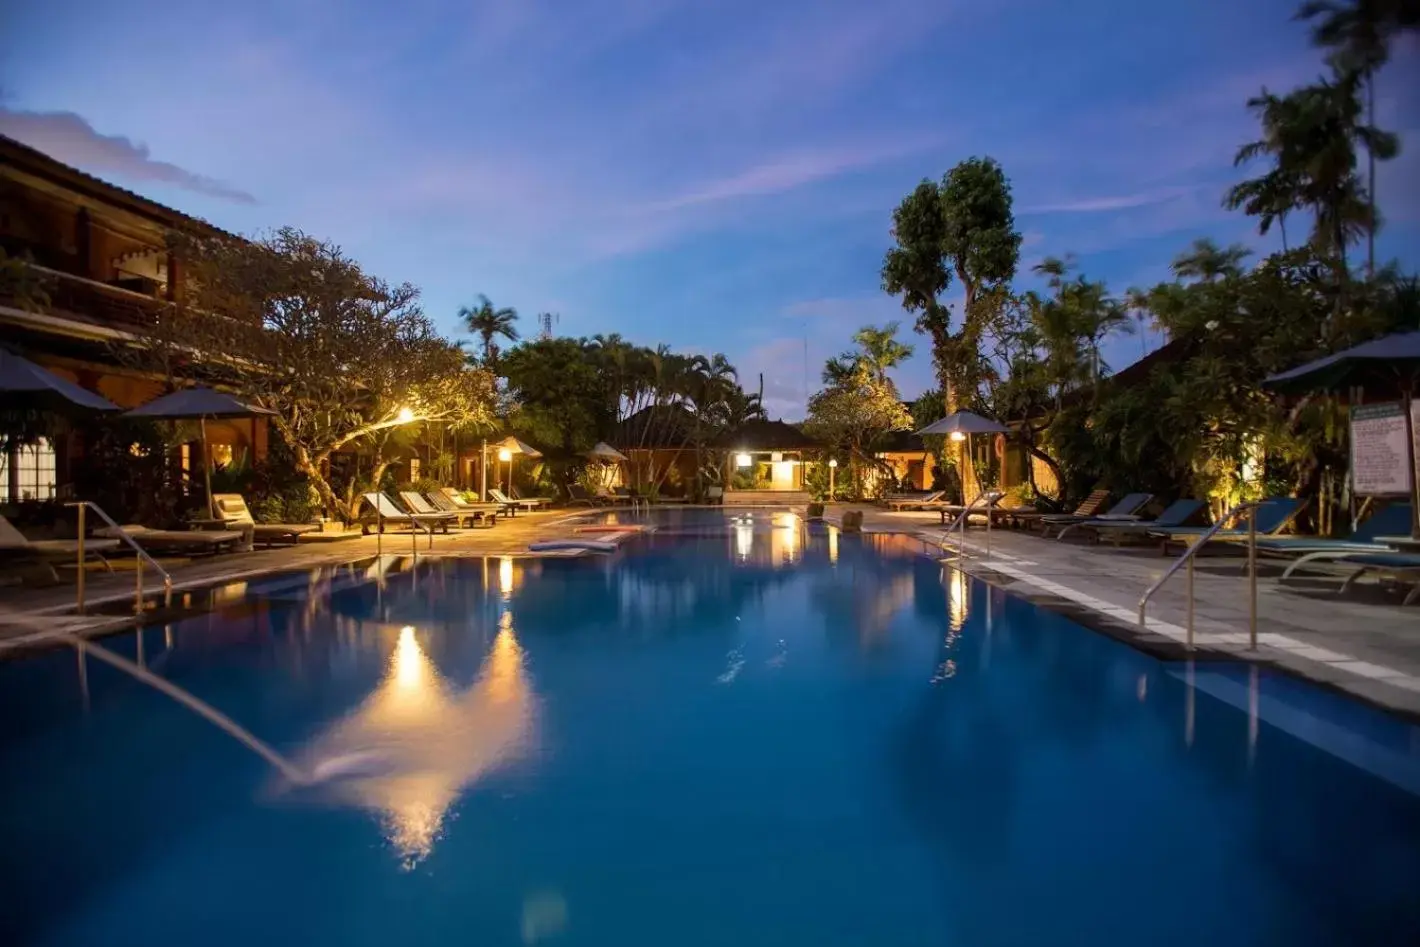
<point x="743" y="460"/>
<point x="504" y="455"/>
<point x="405" y="416"/>
<point x="833" y="461"/>
<point x="958" y="436"/>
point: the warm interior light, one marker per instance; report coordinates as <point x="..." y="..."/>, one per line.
<point x="833" y="462"/>
<point x="405" y="415"/>
<point x="743" y="460"/>
<point x="505" y="455"/>
<point x="958" y="436"/>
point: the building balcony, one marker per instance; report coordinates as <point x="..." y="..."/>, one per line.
<point x="85" y="302"/>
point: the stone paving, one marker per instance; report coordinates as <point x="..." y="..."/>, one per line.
<point x="1365" y="643"/>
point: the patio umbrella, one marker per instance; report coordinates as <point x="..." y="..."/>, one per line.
<point x="24" y="386"/>
<point x="514" y="446"/>
<point x="960" y="425"/>
<point x="606" y="453"/>
<point x="1379" y="367"/>
<point x="201" y="404"/>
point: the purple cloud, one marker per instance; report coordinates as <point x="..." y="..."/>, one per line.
<point x="69" y="138"/>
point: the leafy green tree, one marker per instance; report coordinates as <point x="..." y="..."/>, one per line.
<point x="489" y="324"/>
<point x="849" y="415"/>
<point x="963" y="228"/>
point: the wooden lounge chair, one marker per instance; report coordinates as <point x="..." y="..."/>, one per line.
<point x="1087" y="509"/>
<point x="983" y="505"/>
<point x="232" y="508"/>
<point x="184" y="541"/>
<point x="16" y="549"/>
<point x="512" y="506"/>
<point x="580" y="497"/>
<point x="1126" y="510"/>
<point x="485" y="513"/>
<point x="387" y="511"/>
<point x="912" y="501"/>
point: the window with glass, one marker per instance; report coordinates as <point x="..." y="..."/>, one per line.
<point x="28" y="472"/>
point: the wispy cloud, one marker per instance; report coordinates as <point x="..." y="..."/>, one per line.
<point x="1090" y="205"/>
<point x="71" y="139"/>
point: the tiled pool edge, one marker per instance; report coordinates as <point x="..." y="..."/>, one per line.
<point x="1388" y="690"/>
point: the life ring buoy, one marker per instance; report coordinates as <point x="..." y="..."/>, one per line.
<point x="1000" y="445"/>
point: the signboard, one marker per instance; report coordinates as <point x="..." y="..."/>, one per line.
<point x="1380" y="458"/>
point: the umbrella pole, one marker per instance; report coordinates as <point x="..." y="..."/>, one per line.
<point x="207" y="469"/>
<point x="483" y="473"/>
<point x="1407" y="396"/>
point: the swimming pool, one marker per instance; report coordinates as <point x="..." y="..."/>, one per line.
<point x="741" y="729"/>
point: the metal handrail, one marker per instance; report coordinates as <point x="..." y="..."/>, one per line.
<point x="991" y="497"/>
<point x="1250" y="508"/>
<point x="137" y="549"/>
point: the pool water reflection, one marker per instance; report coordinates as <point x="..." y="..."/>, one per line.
<point x="743" y="729"/>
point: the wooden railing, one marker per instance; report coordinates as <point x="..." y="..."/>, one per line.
<point x="90" y="300"/>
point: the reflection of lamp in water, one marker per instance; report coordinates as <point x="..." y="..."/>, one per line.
<point x="832" y="544"/>
<point x="744" y="537"/>
<point x="784" y="539"/>
<point x="958" y="599"/>
<point x="416" y="743"/>
<point x="505" y="576"/>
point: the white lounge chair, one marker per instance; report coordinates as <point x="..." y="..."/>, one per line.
<point x="443" y="502"/>
<point x="511" y="505"/>
<point x="186" y="541"/>
<point x="232" y="507"/>
<point x="386" y="511"/>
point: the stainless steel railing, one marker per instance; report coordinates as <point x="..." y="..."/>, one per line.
<point x="138" y="550"/>
<point x="1250" y="510"/>
<point x="984" y="501"/>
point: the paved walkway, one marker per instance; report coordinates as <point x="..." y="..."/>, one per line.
<point x="26" y="613"/>
<point x="1365" y="643"/>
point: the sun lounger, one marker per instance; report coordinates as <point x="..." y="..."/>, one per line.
<point x="386" y="511"/>
<point x="1273" y="515"/>
<point x="984" y="505"/>
<point x="517" y="497"/>
<point x="912" y="501"/>
<point x="232" y="508"/>
<point x="486" y="513"/>
<point x="1176" y="513"/>
<point x="1126" y="510"/>
<point x="1401" y="565"/>
<point x="1311" y="550"/>
<point x="15" y="548"/>
<point x="512" y="506"/>
<point x="1087" y="509"/>
<point x="187" y="542"/>
<point x="580" y="497"/>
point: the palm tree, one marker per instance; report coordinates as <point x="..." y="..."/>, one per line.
<point x="880" y="349"/>
<point x="1269" y="198"/>
<point x="1360" y="32"/>
<point x="1207" y="261"/>
<point x="489" y="323"/>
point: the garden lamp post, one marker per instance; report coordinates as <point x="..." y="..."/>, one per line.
<point x="832" y="469"/>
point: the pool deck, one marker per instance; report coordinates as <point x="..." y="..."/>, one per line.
<point x="1365" y="644"/>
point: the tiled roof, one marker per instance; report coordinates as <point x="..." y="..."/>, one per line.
<point x="34" y="161"/>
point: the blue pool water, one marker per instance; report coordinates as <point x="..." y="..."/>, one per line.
<point x="738" y="731"/>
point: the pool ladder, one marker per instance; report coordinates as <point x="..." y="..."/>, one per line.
<point x="1250" y="509"/>
<point x="138" y="551"/>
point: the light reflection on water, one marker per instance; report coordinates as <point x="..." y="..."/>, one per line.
<point x="417" y="742"/>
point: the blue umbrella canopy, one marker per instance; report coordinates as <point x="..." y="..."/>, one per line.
<point x="1378" y="364"/>
<point x="198" y="404"/>
<point x="964" y="422"/>
<point x="27" y="387"/>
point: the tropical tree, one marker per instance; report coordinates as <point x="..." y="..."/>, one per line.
<point x="855" y="411"/>
<point x="1207" y="261"/>
<point x="490" y="324"/>
<point x="880" y="350"/>
<point x="962" y="228"/>
<point x="293" y="325"/>
<point x="1360" y="34"/>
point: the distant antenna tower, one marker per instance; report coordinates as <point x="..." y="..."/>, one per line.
<point x="545" y="322"/>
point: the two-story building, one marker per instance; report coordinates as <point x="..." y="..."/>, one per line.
<point x="98" y="253"/>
